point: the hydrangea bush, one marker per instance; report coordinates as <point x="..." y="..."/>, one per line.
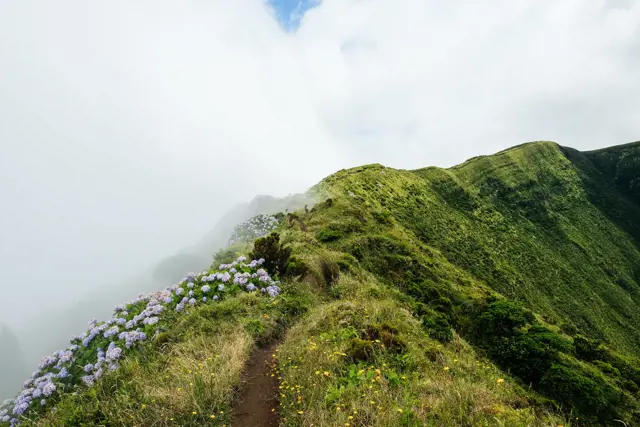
<point x="253" y="228"/>
<point x="103" y="345"/>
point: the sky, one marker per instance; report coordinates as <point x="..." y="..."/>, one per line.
<point x="128" y="127"/>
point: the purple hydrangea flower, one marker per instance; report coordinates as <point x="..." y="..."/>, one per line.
<point x="48" y="389"/>
<point x="150" y="321"/>
<point x="111" y="332"/>
<point x="63" y="373"/>
<point x="114" y="354"/>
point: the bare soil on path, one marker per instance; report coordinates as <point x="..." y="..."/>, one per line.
<point x="259" y="393"/>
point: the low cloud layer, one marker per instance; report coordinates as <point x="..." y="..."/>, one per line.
<point x="128" y="128"/>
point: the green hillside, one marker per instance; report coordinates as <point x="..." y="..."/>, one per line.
<point x="500" y="292"/>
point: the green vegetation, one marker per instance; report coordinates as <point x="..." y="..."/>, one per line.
<point x="503" y="291"/>
<point x="188" y="375"/>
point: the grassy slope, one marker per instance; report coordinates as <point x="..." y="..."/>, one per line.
<point x="406" y="270"/>
<point x="520" y="225"/>
<point x="521" y="222"/>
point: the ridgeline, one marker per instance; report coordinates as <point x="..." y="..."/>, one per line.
<point x="501" y="292"/>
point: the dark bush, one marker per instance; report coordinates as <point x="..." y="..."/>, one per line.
<point x="607" y="368"/>
<point x="569" y="329"/>
<point x="586" y="348"/>
<point x="276" y="256"/>
<point x="514" y="339"/>
<point x="330" y="271"/>
<point x="501" y="319"/>
<point x="328" y="235"/>
<point x="361" y="350"/>
<point x="437" y="326"/>
<point x="388" y="335"/>
<point x="590" y="396"/>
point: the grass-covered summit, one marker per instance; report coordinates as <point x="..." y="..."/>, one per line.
<point x="502" y="291"/>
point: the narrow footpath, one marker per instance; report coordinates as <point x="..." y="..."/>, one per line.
<point x="258" y="398"/>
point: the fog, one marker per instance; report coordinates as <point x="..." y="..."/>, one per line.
<point x="128" y="129"/>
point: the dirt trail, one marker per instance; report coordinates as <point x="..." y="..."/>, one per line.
<point x="259" y="393"/>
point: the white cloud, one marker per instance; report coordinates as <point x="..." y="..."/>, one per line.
<point x="126" y="127"/>
<point x="434" y="83"/>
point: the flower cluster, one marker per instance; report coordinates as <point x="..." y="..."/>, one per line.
<point x="257" y="226"/>
<point x="99" y="349"/>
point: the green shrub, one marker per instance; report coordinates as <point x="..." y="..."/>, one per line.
<point x="523" y="356"/>
<point x="296" y="267"/>
<point x="360" y="350"/>
<point x="437" y="326"/>
<point x="328" y="235"/>
<point x="386" y="334"/>
<point x="224" y="256"/>
<point x="587" y="349"/>
<point x="330" y="271"/>
<point x="501" y="319"/>
<point x="607" y="368"/>
<point x="276" y="256"/>
<point x="382" y="217"/>
<point x="590" y="396"/>
<point x="569" y="329"/>
<point x="514" y="339"/>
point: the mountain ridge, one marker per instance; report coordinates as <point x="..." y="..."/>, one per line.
<point x="501" y="291"/>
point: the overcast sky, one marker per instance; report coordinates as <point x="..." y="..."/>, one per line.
<point x="128" y="127"/>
